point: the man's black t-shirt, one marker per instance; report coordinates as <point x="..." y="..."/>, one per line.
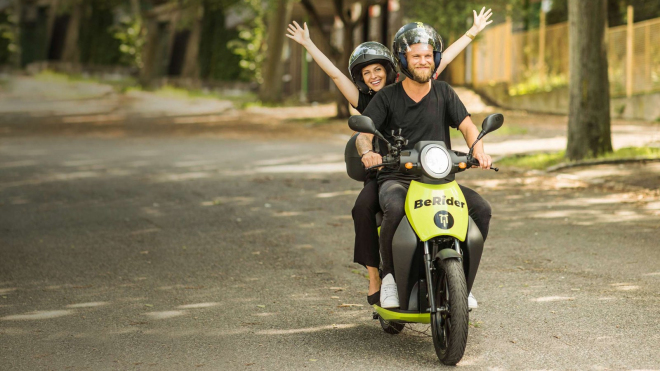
<point x="429" y="119"/>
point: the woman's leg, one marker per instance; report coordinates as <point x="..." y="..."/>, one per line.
<point x="374" y="280"/>
<point x="366" y="249"/>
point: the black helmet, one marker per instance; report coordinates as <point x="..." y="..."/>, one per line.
<point x="416" y="33"/>
<point x="369" y="53"/>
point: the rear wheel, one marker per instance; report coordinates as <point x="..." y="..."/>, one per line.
<point x="390" y="327"/>
<point x="449" y="327"/>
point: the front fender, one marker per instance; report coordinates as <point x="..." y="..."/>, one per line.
<point x="445" y="254"/>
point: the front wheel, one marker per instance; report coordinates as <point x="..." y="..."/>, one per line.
<point x="449" y="326"/>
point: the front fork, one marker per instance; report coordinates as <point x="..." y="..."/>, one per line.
<point x="428" y="261"/>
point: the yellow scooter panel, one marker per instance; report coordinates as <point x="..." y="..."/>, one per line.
<point x="437" y="210"/>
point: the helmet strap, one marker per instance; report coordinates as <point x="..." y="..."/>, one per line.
<point x="403" y="61"/>
<point x="437" y="57"/>
<point x="362" y="86"/>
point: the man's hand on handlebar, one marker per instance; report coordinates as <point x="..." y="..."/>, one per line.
<point x="371" y="159"/>
<point x="485" y="161"/>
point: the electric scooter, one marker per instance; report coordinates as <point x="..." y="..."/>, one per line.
<point x="437" y="246"/>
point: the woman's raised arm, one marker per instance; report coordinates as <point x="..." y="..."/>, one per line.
<point x="480" y="22"/>
<point x="345" y="85"/>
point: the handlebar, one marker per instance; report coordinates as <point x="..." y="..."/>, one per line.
<point x="474" y="162"/>
<point x="382" y="164"/>
<point x="471" y="161"/>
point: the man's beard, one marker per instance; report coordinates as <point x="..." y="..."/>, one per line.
<point x="420" y="77"/>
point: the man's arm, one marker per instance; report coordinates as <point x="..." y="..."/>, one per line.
<point x="470" y="133"/>
<point x="365" y="148"/>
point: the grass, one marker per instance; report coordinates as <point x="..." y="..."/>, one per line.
<point x="122" y="84"/>
<point x="542" y="161"/>
<point x="50" y="76"/>
<point x="243" y="100"/>
<point x="129" y="84"/>
<point x="317" y="121"/>
<point x="503" y="131"/>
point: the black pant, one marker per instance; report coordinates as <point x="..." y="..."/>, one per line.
<point x="366" y="250"/>
<point x="392" y="198"/>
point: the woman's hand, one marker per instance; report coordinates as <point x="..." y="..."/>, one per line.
<point x="481" y="20"/>
<point x="298" y="34"/>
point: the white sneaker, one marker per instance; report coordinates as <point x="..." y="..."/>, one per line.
<point x="389" y="296"/>
<point x="472" y="302"/>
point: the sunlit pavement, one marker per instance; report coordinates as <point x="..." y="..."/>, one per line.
<point x="204" y="253"/>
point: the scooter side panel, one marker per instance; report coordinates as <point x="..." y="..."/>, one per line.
<point x="404" y="246"/>
<point x="437" y="210"/>
<point x="472" y="255"/>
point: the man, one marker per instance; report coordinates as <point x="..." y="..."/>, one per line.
<point x="424" y="109"/>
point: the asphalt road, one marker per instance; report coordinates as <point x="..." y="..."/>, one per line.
<point x="207" y="253"/>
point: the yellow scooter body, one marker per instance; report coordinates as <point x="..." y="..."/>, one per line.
<point x="437" y="210"/>
<point x="433" y="210"/>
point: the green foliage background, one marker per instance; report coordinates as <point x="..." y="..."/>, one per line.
<point x="454" y="17"/>
<point x="98" y="45"/>
<point x="249" y="46"/>
<point x="6" y="38"/>
<point x="616" y="11"/>
<point x="217" y="62"/>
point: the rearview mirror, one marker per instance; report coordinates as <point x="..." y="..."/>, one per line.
<point x="491" y="123"/>
<point x="362" y="124"/>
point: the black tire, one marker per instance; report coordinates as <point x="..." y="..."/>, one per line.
<point x="450" y="330"/>
<point x="391" y="327"/>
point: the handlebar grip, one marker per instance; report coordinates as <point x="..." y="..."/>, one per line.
<point x="382" y="164"/>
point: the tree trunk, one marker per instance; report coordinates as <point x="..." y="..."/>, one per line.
<point x="271" y="89"/>
<point x="191" y="63"/>
<point x="589" y="108"/>
<point x="50" y="23"/>
<point x="71" y="52"/>
<point x="17" y="60"/>
<point x="149" y="50"/>
<point x="174" y="22"/>
<point x="136" y="9"/>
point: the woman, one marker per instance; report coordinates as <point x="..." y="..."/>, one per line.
<point x="372" y="67"/>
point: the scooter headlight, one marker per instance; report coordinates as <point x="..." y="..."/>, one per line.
<point x="436" y="161"/>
